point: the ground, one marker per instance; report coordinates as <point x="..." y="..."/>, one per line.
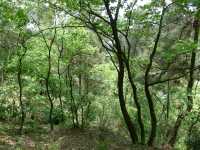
<point x="61" y="139"/>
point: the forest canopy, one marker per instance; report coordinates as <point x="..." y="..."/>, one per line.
<point x="99" y="74"/>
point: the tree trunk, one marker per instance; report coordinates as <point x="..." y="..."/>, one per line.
<point x="60" y="90"/>
<point x="168" y="100"/>
<point x="120" y="82"/>
<point x="48" y="92"/>
<point x="135" y="97"/>
<point x="180" y="118"/>
<point x="19" y="74"/>
<point x="146" y="84"/>
<point x="20" y="96"/>
<point x="130" y="125"/>
<point x="126" y="116"/>
<point x="73" y="107"/>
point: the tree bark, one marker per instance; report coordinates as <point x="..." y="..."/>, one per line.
<point x="135" y="97"/>
<point x="120" y="83"/>
<point x="60" y="88"/>
<point x="20" y="95"/>
<point x="130" y="125"/>
<point x="73" y="107"/>
<point x="146" y="85"/>
<point x="19" y="77"/>
<point x="48" y="91"/>
<point x="168" y="100"/>
<point x="180" y="118"/>
<point x="49" y="47"/>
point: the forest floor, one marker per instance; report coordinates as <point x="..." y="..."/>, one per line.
<point x="61" y="139"/>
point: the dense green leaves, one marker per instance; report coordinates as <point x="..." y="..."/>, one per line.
<point x="180" y="48"/>
<point x="71" y="59"/>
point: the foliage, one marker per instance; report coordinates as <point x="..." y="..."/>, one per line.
<point x="102" y="64"/>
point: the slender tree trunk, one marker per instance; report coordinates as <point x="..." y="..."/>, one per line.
<point x="153" y="116"/>
<point x="68" y="78"/>
<point x="60" y="51"/>
<point x="13" y="108"/>
<point x="135" y="97"/>
<point x="74" y="109"/>
<point x="81" y="100"/>
<point x="146" y="85"/>
<point x="20" y="96"/>
<point x="49" y="47"/>
<point x="47" y="79"/>
<point x="19" y="75"/>
<point x="129" y="123"/>
<point x="87" y="111"/>
<point x="130" y="126"/>
<point x="180" y="118"/>
<point x="60" y="89"/>
<point x="48" y="91"/>
<point x="168" y="100"/>
<point x="2" y="74"/>
<point x="120" y="83"/>
<point x="134" y="90"/>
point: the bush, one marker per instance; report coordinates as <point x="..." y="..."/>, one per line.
<point x="193" y="140"/>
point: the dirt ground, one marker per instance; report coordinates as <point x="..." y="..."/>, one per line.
<point x="61" y="139"/>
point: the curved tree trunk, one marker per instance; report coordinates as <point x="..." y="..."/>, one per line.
<point x="135" y="97"/>
<point x="48" y="91"/>
<point x="134" y="90"/>
<point x="146" y="84"/>
<point x="49" y="47"/>
<point x="180" y="118"/>
<point x="113" y="24"/>
<point x="130" y="125"/>
<point x="19" y="75"/>
<point x="73" y="106"/>
<point x="20" y="95"/>
<point x="60" y="51"/>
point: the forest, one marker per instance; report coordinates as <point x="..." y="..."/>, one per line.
<point x="99" y="75"/>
